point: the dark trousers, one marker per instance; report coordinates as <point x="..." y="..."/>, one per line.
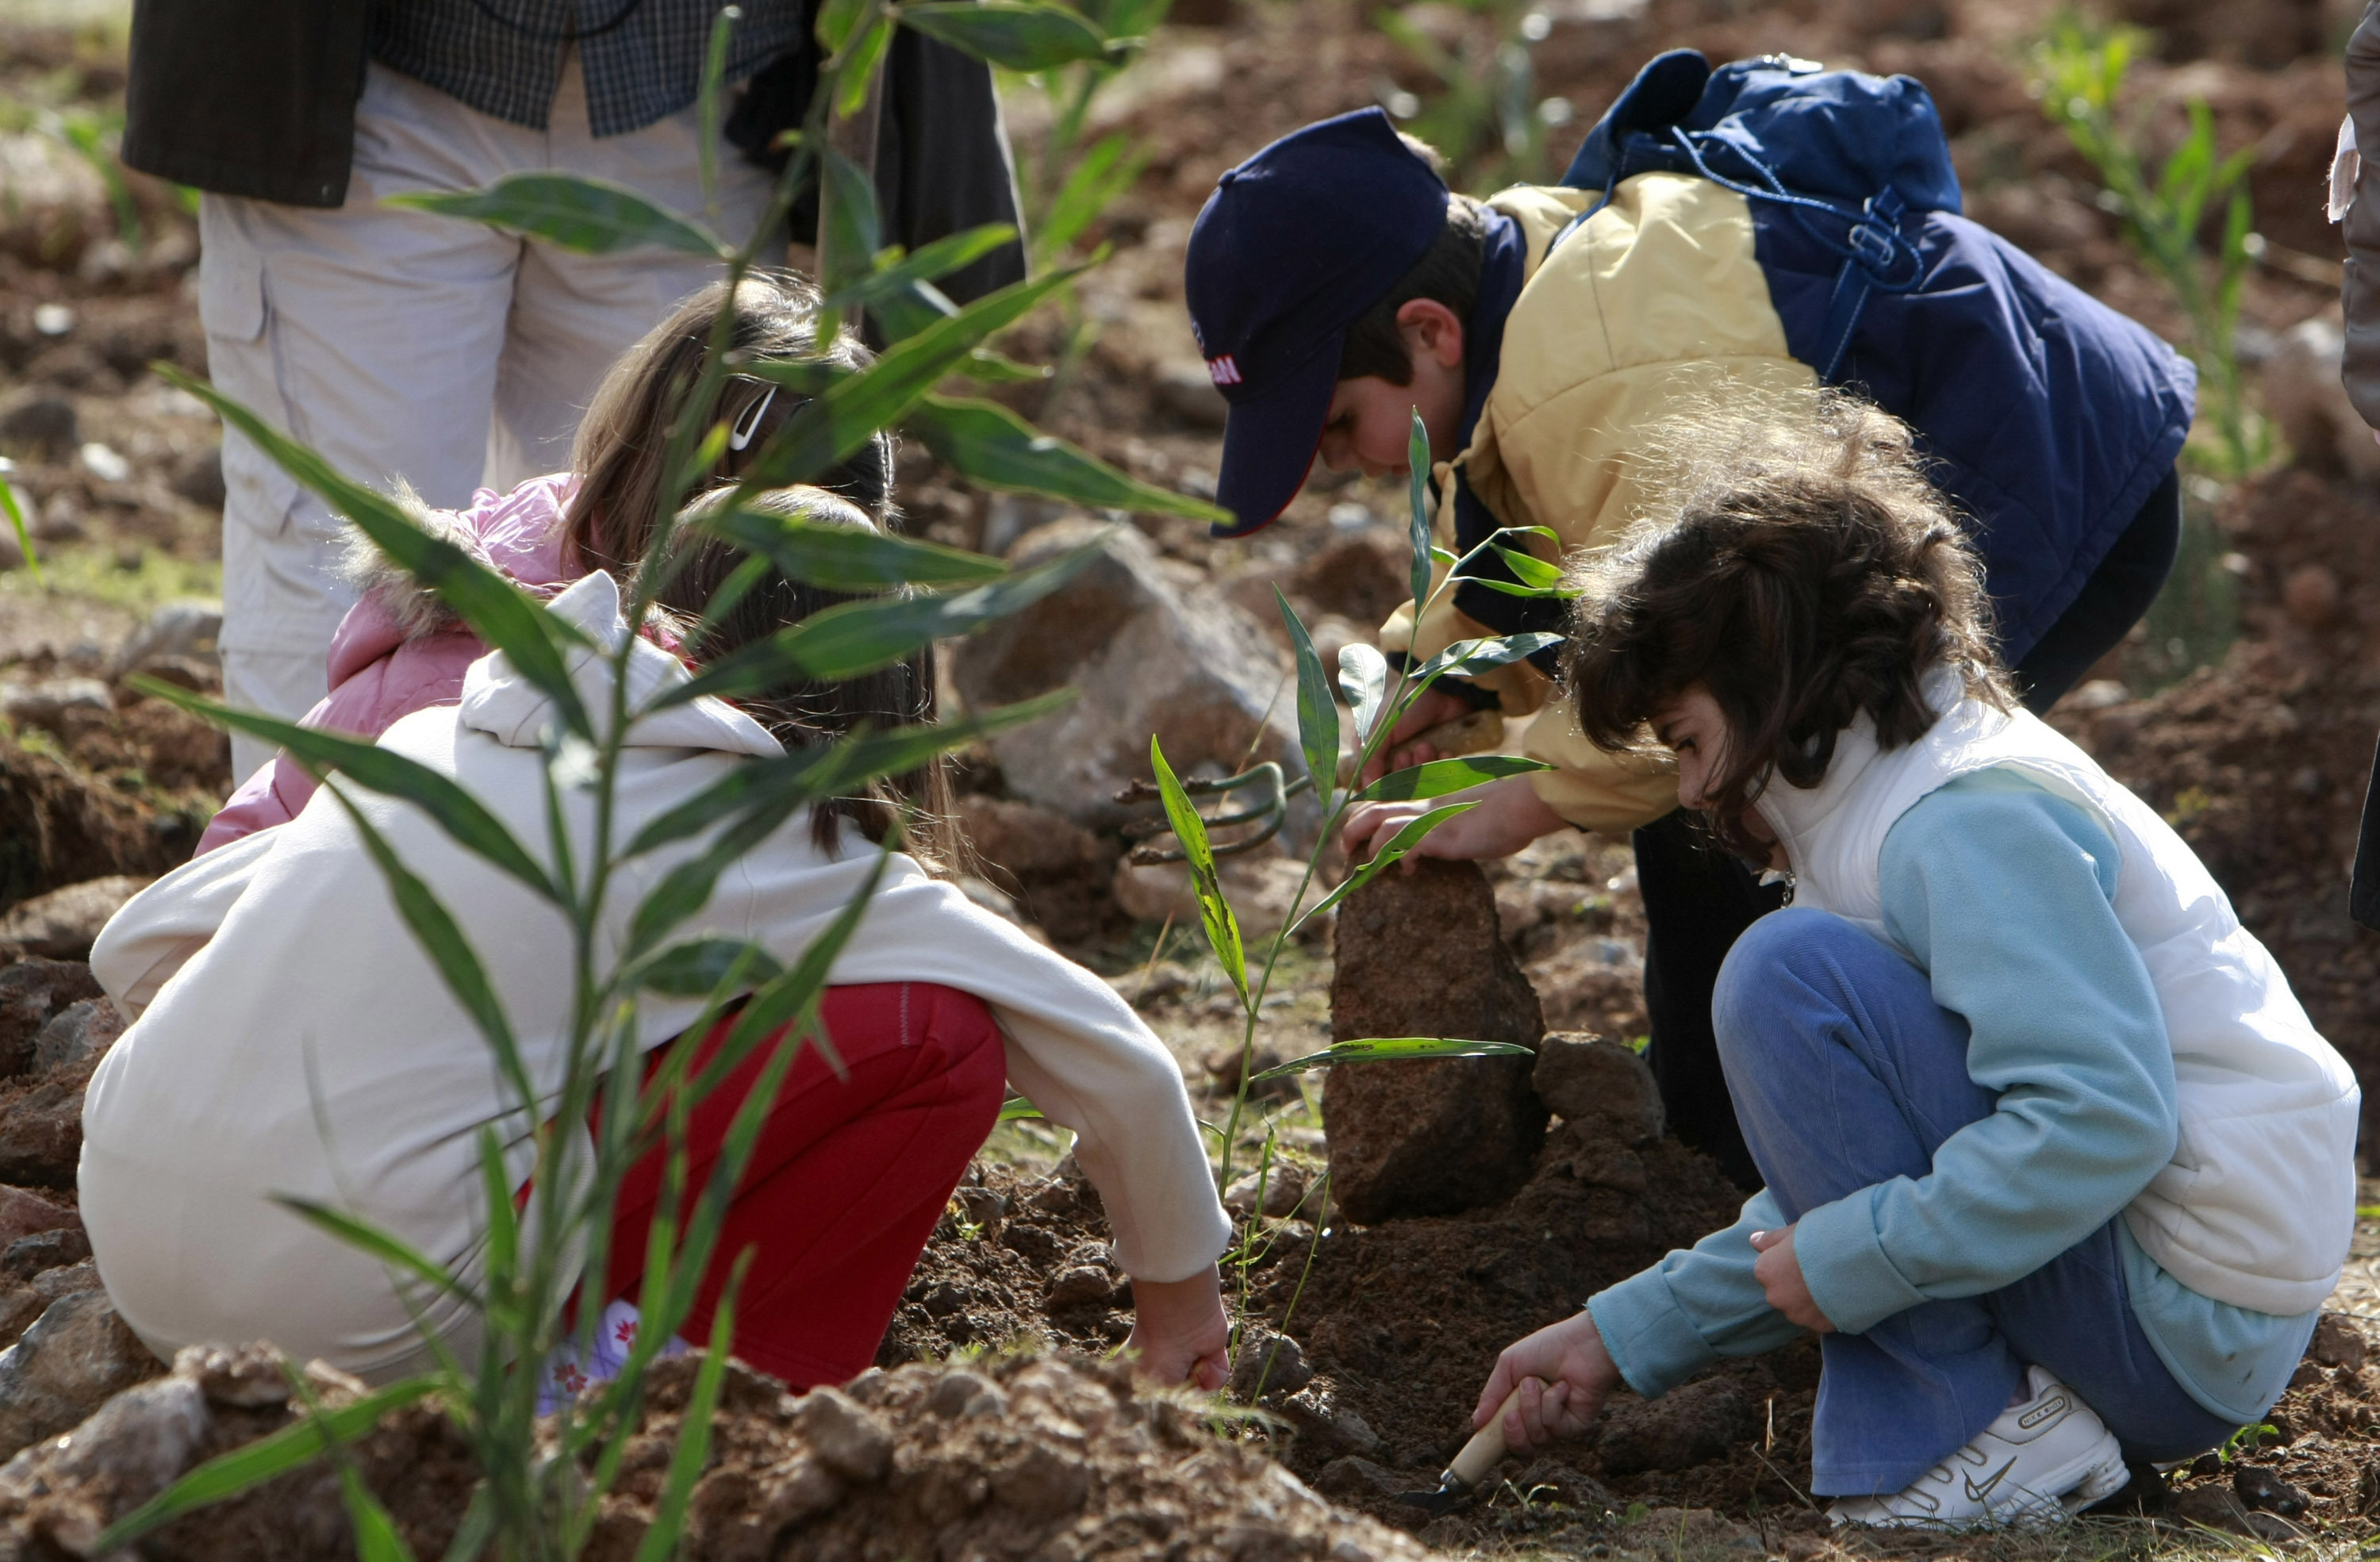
<point x="1698" y="899"/>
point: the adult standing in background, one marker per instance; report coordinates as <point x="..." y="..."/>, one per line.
<point x="2355" y="203"/>
<point x="403" y="345"/>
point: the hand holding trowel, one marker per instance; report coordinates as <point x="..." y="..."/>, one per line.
<point x="1570" y="1372"/>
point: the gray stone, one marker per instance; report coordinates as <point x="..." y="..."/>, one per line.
<point x="1600" y="1085"/>
<point x="24" y="1213"/>
<point x="1319" y="1416"/>
<point x="80" y="1033"/>
<point x="45" y="703"/>
<point x="76" y="1355"/>
<point x="186" y="630"/>
<point x="1418" y="954"/>
<point x="42" y="427"/>
<point x="44" y="1251"/>
<point x="138" y="1443"/>
<point x="849" y="1437"/>
<point x="1283" y="1185"/>
<point x="62" y="923"/>
<point x="1186" y="393"/>
<point x="1267" y="1364"/>
<point x="2306" y="400"/>
<point x="30" y="992"/>
<point x="1145" y="658"/>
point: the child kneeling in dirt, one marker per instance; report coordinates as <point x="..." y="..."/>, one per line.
<point x="2056" y="1164"/>
<point x="292" y="1036"/>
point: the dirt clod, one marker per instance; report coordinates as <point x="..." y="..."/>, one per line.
<point x="1420" y="954"/>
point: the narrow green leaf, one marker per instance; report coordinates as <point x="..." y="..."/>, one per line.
<point x="994" y="448"/>
<point x="1439" y="776"/>
<point x="1389" y="1049"/>
<point x="851" y="638"/>
<point x="702" y="966"/>
<point x="692" y="1451"/>
<point x="376" y="1536"/>
<point x="366" y="1237"/>
<point x="478" y="1529"/>
<point x="856" y="73"/>
<point x="1418" y="495"/>
<point x="252" y="1464"/>
<point x="1104" y="172"/>
<point x="843" y="558"/>
<point x="1215" y="915"/>
<point x="496" y="610"/>
<point x="1539" y="593"/>
<point x="15" y="509"/>
<point x="1363" y="679"/>
<point x="1465" y="658"/>
<point x="1528" y="569"/>
<point x="987" y="368"/>
<point x="848" y="414"/>
<point x="1014" y="33"/>
<point x="912" y="277"/>
<point x="1393" y="850"/>
<point x="504" y="1222"/>
<point x="459" y="814"/>
<point x="853" y="232"/>
<point x="1017" y="1109"/>
<point x="706" y="104"/>
<point x="837" y="19"/>
<point x="570" y="210"/>
<point x="1317" y="713"/>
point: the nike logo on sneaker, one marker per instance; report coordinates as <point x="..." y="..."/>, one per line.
<point x="1977" y="1492"/>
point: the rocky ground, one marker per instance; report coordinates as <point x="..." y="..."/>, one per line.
<point x="1374" y="1300"/>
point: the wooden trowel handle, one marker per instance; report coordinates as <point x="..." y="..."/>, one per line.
<point x="1487" y="1446"/>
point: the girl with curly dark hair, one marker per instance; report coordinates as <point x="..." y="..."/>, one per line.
<point x="2056" y="1164"/>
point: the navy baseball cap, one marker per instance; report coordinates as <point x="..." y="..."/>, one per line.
<point x="1291" y="249"/>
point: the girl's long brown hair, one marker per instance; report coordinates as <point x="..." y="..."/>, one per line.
<point x="1802" y="570"/>
<point x="620" y="454"/>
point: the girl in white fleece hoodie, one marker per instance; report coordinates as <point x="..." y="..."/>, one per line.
<point x="291" y="1037"/>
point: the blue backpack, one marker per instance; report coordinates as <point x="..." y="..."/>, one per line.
<point x="2051" y="418"/>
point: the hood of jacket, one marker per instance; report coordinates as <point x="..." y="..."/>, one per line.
<point x="500" y="700"/>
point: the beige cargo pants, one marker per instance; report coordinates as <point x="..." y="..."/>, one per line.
<point x="410" y="346"/>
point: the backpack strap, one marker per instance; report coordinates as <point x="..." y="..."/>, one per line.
<point x="1875" y="255"/>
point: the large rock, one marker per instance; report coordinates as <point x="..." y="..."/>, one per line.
<point x="1057" y="870"/>
<point x="74" y="1358"/>
<point x="40" y="1109"/>
<point x="32" y="991"/>
<point x="62" y="923"/>
<point x="1145" y="656"/>
<point x="2306" y="400"/>
<point x="1418" y="954"/>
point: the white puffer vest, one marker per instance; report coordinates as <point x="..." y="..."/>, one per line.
<point x="2258" y="1205"/>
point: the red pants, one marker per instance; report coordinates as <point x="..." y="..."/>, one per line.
<point x="846" y="1182"/>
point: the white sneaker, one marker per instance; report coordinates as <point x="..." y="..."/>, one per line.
<point x="2036" y="1462"/>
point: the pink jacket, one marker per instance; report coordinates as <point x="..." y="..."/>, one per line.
<point x="390" y="659"/>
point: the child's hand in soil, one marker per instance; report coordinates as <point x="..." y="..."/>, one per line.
<point x="1780" y="1273"/>
<point x="1508" y="815"/>
<point x="1564" y="1375"/>
<point x="1432" y="707"/>
<point x="1179" y="1333"/>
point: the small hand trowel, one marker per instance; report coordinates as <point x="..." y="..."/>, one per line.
<point x="1462" y="1477"/>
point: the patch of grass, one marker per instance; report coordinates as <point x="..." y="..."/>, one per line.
<point x="95" y="575"/>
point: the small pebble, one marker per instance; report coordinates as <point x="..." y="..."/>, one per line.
<point x="52" y="320"/>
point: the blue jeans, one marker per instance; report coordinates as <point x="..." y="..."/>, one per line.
<point x="1846" y="1074"/>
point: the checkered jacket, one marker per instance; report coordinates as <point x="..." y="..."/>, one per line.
<point x="642" y="59"/>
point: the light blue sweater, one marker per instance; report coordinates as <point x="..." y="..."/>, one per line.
<point x="2002" y="893"/>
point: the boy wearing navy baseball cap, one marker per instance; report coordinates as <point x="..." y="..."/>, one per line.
<point x="1696" y="251"/>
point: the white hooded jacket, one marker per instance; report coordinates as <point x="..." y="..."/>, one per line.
<point x="290" y="1036"/>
